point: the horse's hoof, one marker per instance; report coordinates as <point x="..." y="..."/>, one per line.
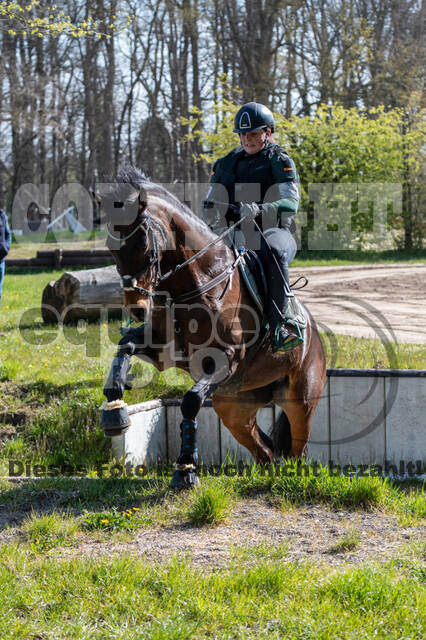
<point x="187" y="479"/>
<point x="115" y="421"/>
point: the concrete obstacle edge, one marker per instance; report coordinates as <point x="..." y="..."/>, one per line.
<point x="364" y="417"/>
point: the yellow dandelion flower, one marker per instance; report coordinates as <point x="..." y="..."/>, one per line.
<point x="104" y="521"/>
<point x="136" y="509"/>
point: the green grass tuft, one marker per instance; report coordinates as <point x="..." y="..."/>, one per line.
<point x="408" y="504"/>
<point x="349" y="542"/>
<point x="47" y="531"/>
<point x="210" y="503"/>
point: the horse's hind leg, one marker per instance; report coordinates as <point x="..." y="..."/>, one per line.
<point x="238" y="414"/>
<point x="299" y="408"/>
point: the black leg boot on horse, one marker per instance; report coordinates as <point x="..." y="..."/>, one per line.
<point x="185" y="476"/>
<point x="278" y="249"/>
<point x="114" y="416"/>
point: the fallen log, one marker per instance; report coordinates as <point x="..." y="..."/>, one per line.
<point x="81" y="295"/>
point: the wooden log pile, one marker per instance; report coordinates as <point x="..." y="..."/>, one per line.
<point x="82" y="295"/>
<point x="63" y="258"/>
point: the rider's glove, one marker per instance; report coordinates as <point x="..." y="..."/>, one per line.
<point x="250" y="210"/>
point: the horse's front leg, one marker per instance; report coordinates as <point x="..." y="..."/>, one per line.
<point x="185" y="476"/>
<point x="114" y="416"/>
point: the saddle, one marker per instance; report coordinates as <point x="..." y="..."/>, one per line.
<point x="253" y="274"/>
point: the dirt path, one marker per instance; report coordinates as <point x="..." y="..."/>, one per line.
<point x="303" y="533"/>
<point x="373" y="301"/>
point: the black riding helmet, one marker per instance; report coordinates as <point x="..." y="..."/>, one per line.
<point x="253" y="116"/>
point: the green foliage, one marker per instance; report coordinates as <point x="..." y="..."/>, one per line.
<point x="365" y="353"/>
<point x="338" y="491"/>
<point x="33" y="19"/>
<point x="318" y="258"/>
<point x="346" y="148"/>
<point x="295" y="483"/>
<point x="67" y="432"/>
<point x="409" y="505"/>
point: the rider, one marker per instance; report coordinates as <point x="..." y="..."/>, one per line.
<point x="261" y="161"/>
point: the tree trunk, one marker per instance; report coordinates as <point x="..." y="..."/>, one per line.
<point x="82" y="295"/>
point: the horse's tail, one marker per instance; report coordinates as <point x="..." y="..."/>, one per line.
<point x="281" y="436"/>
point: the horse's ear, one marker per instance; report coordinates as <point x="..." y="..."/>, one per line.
<point x="143" y="200"/>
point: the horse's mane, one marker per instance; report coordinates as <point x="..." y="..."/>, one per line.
<point x="128" y="174"/>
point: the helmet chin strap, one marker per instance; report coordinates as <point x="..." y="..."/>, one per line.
<point x="268" y="135"/>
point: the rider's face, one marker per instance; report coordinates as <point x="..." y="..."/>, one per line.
<point x="254" y="141"/>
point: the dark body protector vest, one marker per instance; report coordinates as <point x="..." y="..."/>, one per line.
<point x="264" y="170"/>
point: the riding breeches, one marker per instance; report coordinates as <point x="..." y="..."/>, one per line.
<point x="283" y="247"/>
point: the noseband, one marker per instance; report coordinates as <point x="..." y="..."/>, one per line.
<point x="130" y="282"/>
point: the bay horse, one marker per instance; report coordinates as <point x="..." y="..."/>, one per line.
<point x="181" y="279"/>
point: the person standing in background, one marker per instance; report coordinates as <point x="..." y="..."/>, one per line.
<point x="5" y="240"/>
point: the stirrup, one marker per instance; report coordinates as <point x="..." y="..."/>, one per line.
<point x="290" y="342"/>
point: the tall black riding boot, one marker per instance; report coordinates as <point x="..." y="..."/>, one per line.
<point x="279" y="288"/>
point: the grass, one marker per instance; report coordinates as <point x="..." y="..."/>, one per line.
<point x="46" y="592"/>
<point x="349" y="542"/>
<point x="115" y="520"/>
<point x="211" y="503"/>
<point x="48" y="531"/>
<point x="296" y="484"/>
<point x="26" y="246"/>
<point x="121" y="597"/>
<point x="347" y="352"/>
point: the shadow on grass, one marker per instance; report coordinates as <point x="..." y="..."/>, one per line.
<point x="75" y="495"/>
<point x="44" y="388"/>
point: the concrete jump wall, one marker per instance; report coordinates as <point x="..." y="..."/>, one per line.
<point x="363" y="417"/>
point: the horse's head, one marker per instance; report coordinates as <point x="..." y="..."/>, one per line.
<point x="130" y="239"/>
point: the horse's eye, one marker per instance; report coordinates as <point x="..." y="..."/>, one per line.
<point x="118" y="205"/>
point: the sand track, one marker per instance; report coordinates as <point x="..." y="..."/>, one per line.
<point x="373" y="301"/>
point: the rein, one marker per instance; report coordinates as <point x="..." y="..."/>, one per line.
<point x="130" y="282"/>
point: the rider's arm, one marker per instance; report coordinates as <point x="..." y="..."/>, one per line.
<point x="287" y="182"/>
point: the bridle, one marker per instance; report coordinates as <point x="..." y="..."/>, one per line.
<point x="130" y="282"/>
